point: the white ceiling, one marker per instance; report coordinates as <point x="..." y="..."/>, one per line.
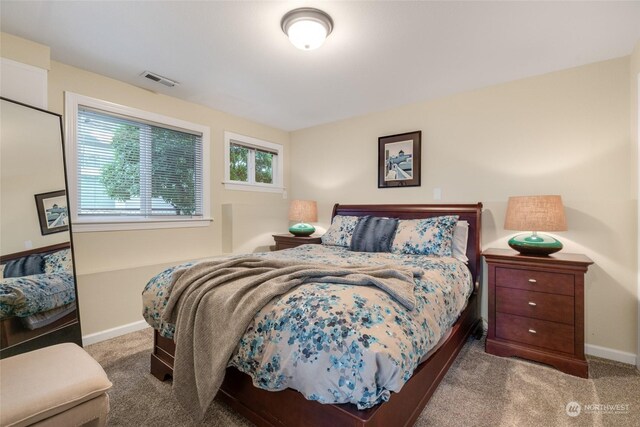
<point x="232" y="56"/>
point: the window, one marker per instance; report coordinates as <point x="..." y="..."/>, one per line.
<point x="252" y="164"/>
<point x="133" y="169"/>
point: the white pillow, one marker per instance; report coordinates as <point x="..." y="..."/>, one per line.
<point x="460" y="237"/>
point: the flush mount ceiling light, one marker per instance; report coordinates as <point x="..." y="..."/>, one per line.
<point x="306" y="27"/>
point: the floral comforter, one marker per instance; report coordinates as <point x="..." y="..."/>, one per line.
<point x="340" y="343"/>
<point x="51" y="288"/>
<point x="28" y="295"/>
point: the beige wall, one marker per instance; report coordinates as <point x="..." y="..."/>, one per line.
<point x="31" y="163"/>
<point x="100" y="251"/>
<point x="121" y="256"/>
<point x="113" y="267"/>
<point x="25" y="51"/>
<point x="634" y="77"/>
<point x="566" y="133"/>
<point x="251" y="232"/>
<point x="562" y="133"/>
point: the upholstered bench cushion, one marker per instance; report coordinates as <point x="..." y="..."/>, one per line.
<point x="45" y="382"/>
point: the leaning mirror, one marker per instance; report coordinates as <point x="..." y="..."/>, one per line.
<point x="38" y="295"/>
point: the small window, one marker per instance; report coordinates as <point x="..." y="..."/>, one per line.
<point x="128" y="167"/>
<point x="252" y="164"/>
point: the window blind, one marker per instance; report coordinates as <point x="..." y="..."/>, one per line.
<point x="130" y="167"/>
<point x="253" y="147"/>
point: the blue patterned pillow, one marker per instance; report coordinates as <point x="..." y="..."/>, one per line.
<point x="373" y="234"/>
<point x="341" y="231"/>
<point x="24" y="266"/>
<point x="58" y="262"/>
<point x="431" y="236"/>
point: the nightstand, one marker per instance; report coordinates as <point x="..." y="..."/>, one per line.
<point x="287" y="241"/>
<point x="536" y="308"/>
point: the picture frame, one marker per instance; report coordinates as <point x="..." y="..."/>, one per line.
<point x="53" y="212"/>
<point x="399" y="158"/>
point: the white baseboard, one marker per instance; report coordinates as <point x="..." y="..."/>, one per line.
<point x="609" y="353"/>
<point x="113" y="332"/>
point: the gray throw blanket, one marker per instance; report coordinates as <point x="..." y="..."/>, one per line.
<point x="213" y="302"/>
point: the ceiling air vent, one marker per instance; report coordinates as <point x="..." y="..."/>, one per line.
<point x="159" y="79"/>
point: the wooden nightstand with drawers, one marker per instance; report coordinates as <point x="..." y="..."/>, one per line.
<point x="288" y="241"/>
<point x="536" y="308"/>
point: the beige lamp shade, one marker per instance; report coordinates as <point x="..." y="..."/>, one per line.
<point x="535" y="213"/>
<point x="303" y="211"/>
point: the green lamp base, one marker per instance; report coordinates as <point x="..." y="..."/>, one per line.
<point x="535" y="244"/>
<point x="301" y="229"/>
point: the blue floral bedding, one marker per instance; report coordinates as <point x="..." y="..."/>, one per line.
<point x="53" y="287"/>
<point x="339" y="343"/>
<point x="27" y="295"/>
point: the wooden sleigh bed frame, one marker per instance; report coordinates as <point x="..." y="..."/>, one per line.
<point x="290" y="408"/>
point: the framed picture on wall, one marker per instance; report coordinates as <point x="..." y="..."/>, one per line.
<point x="53" y="212"/>
<point x="399" y="160"/>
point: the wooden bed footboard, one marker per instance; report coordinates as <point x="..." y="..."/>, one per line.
<point x="12" y="331"/>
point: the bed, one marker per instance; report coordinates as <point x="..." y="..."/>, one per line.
<point x="409" y="389"/>
<point x="38" y="295"/>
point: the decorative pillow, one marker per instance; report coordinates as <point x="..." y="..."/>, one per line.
<point x="1" y="271"/>
<point x="25" y="266"/>
<point x="430" y="236"/>
<point x="373" y="234"/>
<point x="460" y="237"/>
<point x="341" y="230"/>
<point x="58" y="262"/>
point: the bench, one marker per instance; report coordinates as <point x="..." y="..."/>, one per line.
<point x="60" y="385"/>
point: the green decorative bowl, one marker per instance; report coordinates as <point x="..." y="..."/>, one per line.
<point x="301" y="229"/>
<point x="535" y="244"/>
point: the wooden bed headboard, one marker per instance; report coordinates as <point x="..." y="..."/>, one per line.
<point x="51" y="248"/>
<point x="467" y="212"/>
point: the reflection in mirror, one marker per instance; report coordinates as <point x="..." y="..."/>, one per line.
<point x="38" y="297"/>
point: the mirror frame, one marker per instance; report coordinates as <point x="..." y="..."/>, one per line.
<point x="68" y="333"/>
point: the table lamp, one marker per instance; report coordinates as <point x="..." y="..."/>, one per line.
<point x="535" y="213"/>
<point x="303" y="211"/>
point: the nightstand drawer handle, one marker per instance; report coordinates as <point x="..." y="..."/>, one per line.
<point x="533" y="331"/>
<point x="532" y="280"/>
<point x="532" y="304"/>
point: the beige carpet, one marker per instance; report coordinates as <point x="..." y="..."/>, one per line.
<point x="479" y="390"/>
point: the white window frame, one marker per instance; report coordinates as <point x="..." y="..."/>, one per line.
<point x="278" y="184"/>
<point x="112" y="223"/>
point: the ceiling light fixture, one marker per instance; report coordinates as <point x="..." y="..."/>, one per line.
<point x="306" y="27"/>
